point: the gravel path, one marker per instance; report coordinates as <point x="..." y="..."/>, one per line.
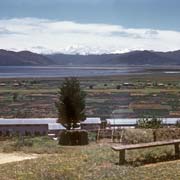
<point x="13" y="157"/>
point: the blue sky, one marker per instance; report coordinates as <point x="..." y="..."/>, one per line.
<point x="161" y="14"/>
<point x="124" y="25"/>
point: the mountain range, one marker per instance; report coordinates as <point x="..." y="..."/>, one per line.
<point x="27" y="58"/>
<point x="22" y="58"/>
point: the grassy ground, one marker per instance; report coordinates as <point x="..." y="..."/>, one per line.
<point x="95" y="161"/>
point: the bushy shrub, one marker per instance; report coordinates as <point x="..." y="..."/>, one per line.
<point x="91" y="87"/>
<point x="21" y="141"/>
<point x="118" y="87"/>
<point x="28" y="143"/>
<point x="92" y="136"/>
<point x="73" y="137"/>
<point x="9" y="148"/>
<point x="167" y="133"/>
<point x="37" y="133"/>
<point x="28" y="133"/>
<point x="178" y="123"/>
<point x="134" y="136"/>
<point x="17" y="144"/>
<point x="158" y="155"/>
<point x="149" y="122"/>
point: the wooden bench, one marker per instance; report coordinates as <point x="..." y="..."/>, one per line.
<point x="122" y="148"/>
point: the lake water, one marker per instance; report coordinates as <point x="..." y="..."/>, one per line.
<point x="59" y="71"/>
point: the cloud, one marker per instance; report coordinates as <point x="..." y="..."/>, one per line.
<point x="131" y="33"/>
<point x="4" y="31"/>
<point x="45" y="36"/>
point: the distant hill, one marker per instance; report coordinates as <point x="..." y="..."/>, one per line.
<point x="145" y="58"/>
<point x="174" y="55"/>
<point x="23" y="58"/>
<point x="27" y="58"/>
<point x="130" y="58"/>
<point x="67" y="59"/>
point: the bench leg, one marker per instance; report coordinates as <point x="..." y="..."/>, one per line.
<point x="121" y="157"/>
<point x="176" y="147"/>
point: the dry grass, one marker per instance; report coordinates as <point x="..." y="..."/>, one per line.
<point x="95" y="161"/>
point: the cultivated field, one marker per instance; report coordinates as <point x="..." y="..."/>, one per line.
<point x="119" y="96"/>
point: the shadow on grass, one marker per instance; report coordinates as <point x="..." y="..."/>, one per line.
<point x="149" y="160"/>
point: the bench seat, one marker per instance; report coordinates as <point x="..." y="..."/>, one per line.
<point x="122" y="148"/>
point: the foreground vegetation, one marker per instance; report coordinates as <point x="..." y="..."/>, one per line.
<point x="95" y="161"/>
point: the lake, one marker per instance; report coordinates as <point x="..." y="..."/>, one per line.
<point x="60" y="71"/>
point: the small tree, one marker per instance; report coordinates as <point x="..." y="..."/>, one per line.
<point x="71" y="103"/>
<point x="15" y="96"/>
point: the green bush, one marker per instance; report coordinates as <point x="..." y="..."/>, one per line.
<point x="73" y="137"/>
<point x="134" y="136"/>
<point x="37" y="133"/>
<point x="167" y="133"/>
<point x="178" y="123"/>
<point x="118" y="87"/>
<point x="149" y="122"/>
<point x="21" y="142"/>
<point x="17" y="144"/>
<point x="154" y="156"/>
<point x="92" y="136"/>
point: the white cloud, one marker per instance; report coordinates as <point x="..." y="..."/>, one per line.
<point x="45" y="36"/>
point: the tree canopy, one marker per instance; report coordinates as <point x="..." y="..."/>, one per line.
<point x="71" y="103"/>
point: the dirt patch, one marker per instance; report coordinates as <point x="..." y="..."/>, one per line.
<point x="13" y="157"/>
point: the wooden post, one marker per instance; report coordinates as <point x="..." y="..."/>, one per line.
<point x="97" y="137"/>
<point x="122" y="133"/>
<point x="154" y="135"/>
<point x="112" y="136"/>
<point x="176" y="147"/>
<point x="121" y="156"/>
